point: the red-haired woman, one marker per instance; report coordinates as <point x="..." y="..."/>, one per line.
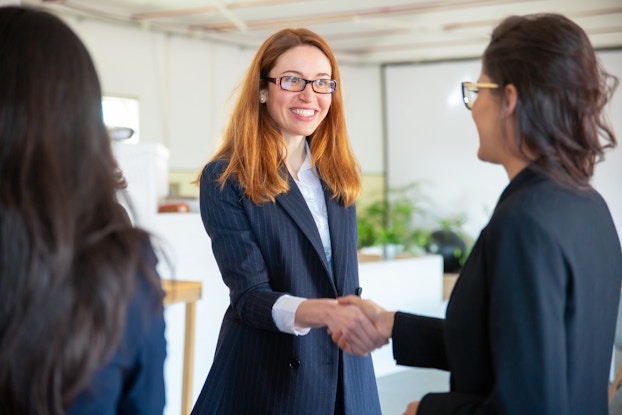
<point x="277" y="200"/>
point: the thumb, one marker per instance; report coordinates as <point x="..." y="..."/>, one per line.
<point x="350" y="299"/>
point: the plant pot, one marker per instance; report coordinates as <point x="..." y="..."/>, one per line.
<point x="450" y="246"/>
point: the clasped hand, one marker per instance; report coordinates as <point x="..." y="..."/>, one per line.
<point x="362" y="327"/>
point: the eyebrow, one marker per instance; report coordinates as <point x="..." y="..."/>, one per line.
<point x="301" y="75"/>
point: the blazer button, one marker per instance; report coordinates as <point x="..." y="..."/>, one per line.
<point x="294" y="364"/>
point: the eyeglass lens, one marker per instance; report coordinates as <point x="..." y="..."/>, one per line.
<point x="470" y="91"/>
<point x="469" y="94"/>
<point x="297" y="84"/>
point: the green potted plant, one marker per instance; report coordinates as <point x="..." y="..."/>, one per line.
<point x="390" y="222"/>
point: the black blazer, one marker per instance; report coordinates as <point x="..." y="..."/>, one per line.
<point x="264" y="251"/>
<point x="530" y="324"/>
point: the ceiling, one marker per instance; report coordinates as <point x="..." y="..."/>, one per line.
<point x="359" y="31"/>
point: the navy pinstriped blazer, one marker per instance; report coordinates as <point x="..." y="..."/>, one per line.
<point x="264" y="251"/>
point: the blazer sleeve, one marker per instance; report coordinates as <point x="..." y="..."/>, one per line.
<point x="235" y="249"/>
<point x="132" y="381"/>
<point x="527" y="284"/>
<point x="419" y="341"/>
<point x="143" y="379"/>
<point x="144" y="387"/>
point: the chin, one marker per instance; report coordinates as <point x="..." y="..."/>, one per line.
<point x="483" y="157"/>
<point x="480" y="155"/>
<point x="307" y="133"/>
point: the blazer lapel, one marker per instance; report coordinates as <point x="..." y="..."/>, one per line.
<point x="339" y="232"/>
<point x="293" y="202"/>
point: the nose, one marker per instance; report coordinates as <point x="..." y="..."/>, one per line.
<point x="308" y="92"/>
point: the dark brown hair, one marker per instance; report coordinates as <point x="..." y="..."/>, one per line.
<point x="68" y="252"/>
<point x="562" y="91"/>
<point x="253" y="144"/>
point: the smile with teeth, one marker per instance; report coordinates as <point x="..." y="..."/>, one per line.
<point x="303" y="113"/>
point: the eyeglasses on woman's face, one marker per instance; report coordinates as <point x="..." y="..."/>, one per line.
<point x="471" y="89"/>
<point x="297" y="84"/>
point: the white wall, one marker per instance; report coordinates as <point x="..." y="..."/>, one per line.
<point x="608" y="177"/>
<point x="186" y="88"/>
<point x="362" y="92"/>
<point x="182" y="84"/>
<point x="432" y="139"/>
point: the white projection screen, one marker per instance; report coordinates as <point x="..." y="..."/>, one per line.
<point x="431" y="139"/>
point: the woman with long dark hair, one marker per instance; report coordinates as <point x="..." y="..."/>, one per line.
<point x="81" y="321"/>
<point x="530" y="323"/>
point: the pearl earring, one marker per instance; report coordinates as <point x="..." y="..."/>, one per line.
<point x="262" y="99"/>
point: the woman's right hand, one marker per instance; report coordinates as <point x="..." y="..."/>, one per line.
<point x="346" y="321"/>
<point x="381" y="319"/>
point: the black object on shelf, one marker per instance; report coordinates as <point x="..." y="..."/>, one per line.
<point x="450" y="246"/>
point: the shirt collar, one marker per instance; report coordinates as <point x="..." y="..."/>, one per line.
<point x="306" y="164"/>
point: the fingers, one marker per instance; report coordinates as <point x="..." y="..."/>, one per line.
<point x="362" y="336"/>
<point x="353" y="332"/>
<point x="381" y="318"/>
<point x="342" y="342"/>
<point x="371" y="309"/>
<point x="349" y="299"/>
<point x="412" y="408"/>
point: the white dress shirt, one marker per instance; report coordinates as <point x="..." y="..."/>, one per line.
<point x="284" y="309"/>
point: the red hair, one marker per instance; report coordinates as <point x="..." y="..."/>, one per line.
<point x="252" y="142"/>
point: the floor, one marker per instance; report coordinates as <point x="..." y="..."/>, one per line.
<point x="615" y="406"/>
<point x="398" y="390"/>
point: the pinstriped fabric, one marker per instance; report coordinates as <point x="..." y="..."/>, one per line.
<point x="264" y="251"/>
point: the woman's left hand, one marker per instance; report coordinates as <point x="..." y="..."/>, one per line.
<point x="412" y="408"/>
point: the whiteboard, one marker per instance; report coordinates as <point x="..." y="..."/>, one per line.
<point x="432" y="139"/>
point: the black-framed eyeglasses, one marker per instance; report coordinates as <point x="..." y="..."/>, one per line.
<point x="471" y="89"/>
<point x="298" y="84"/>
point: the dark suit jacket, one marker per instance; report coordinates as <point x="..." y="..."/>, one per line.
<point x="530" y="324"/>
<point x="264" y="251"/>
<point x="132" y="382"/>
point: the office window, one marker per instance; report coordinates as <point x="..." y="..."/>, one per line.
<point x="122" y="112"/>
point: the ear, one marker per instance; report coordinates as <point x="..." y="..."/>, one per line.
<point x="263" y="96"/>
<point x="510" y="96"/>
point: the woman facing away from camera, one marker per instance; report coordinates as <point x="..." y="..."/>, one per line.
<point x="277" y="200"/>
<point x="81" y="320"/>
<point x="530" y="323"/>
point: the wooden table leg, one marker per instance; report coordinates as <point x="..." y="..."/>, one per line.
<point x="186" y="388"/>
<point x="188" y="292"/>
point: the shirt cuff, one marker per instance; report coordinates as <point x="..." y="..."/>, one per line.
<point x="284" y="315"/>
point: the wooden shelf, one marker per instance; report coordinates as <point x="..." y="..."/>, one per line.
<point x="449" y="280"/>
<point x="181" y="291"/>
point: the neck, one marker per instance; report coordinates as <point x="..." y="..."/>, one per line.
<point x="295" y="154"/>
<point x="515" y="166"/>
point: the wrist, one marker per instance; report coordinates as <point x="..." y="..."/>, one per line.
<point x="385" y="325"/>
<point x="315" y="312"/>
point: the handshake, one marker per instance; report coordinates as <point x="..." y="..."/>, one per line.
<point x="360" y="326"/>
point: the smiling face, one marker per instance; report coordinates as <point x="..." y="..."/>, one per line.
<point x="485" y="113"/>
<point x="298" y="114"/>
<point x="493" y="113"/>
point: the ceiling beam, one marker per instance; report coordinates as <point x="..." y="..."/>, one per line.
<point x="359" y="15"/>
<point x="159" y="14"/>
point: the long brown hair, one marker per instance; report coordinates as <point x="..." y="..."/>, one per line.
<point x="253" y="145"/>
<point x="562" y="92"/>
<point x="68" y="252"/>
